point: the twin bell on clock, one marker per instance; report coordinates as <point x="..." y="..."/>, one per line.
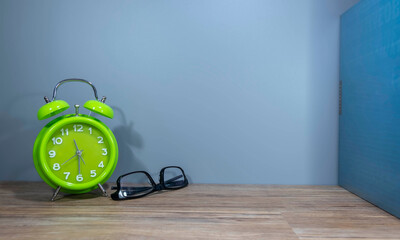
<point x="75" y="153"/>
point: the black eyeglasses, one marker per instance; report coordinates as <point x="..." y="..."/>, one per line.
<point x="140" y="183"/>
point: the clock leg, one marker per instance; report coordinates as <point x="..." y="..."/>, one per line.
<point x="55" y="194"/>
<point x="102" y="190"/>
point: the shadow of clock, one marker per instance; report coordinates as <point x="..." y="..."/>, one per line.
<point x="65" y="197"/>
<point x="75" y="197"/>
<point x="129" y="141"/>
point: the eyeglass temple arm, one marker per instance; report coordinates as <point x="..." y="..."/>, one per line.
<point x="132" y="188"/>
<point x="146" y="188"/>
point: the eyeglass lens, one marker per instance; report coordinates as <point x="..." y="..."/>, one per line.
<point x="135" y="185"/>
<point x="173" y="178"/>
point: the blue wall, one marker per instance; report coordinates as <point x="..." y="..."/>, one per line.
<point x="232" y="91"/>
<point x="369" y="163"/>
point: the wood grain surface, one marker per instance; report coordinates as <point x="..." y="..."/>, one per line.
<point x="195" y="212"/>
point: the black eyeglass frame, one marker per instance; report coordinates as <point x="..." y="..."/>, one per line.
<point x="155" y="186"/>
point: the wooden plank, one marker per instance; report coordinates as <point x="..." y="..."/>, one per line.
<point x="196" y="212"/>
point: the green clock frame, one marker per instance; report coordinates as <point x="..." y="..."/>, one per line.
<point x="39" y="151"/>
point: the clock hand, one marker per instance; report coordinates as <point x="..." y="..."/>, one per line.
<point x="69" y="159"/>
<point x="82" y="159"/>
<point x="78" y="152"/>
<point x="76" y="145"/>
<point x="79" y="160"/>
<point x="79" y="165"/>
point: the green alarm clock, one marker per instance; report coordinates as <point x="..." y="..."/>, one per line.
<point x="75" y="153"/>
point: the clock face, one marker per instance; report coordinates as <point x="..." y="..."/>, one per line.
<point x="77" y="153"/>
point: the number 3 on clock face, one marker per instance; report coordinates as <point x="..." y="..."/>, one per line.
<point x="77" y="155"/>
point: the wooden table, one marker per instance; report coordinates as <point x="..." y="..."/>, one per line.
<point x="196" y="212"/>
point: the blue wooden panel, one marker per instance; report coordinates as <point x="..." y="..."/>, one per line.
<point x="369" y="140"/>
